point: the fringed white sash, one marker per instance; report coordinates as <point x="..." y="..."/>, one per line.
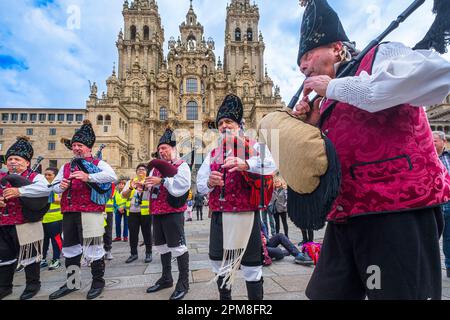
<point x="237" y="228"/>
<point x="93" y="230"/>
<point x="31" y="241"/>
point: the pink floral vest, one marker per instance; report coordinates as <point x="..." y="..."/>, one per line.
<point x="237" y="190"/>
<point x="81" y="194"/>
<point x="389" y="162"/>
<point x="15" y="215"/>
<point x="160" y="205"/>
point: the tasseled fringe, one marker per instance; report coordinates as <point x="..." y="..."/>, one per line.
<point x="231" y="263"/>
<point x="26" y="252"/>
<point x="87" y="242"/>
<point x="309" y="211"/>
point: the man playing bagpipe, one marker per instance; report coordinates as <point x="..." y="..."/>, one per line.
<point x="386" y="218"/>
<point x="169" y="183"/>
<point x="85" y="185"/>
<point x="21" y="212"/>
<point x="230" y="175"/>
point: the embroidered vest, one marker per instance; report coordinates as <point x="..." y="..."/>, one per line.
<point x="81" y="194"/>
<point x="14" y="208"/>
<point x="160" y="205"/>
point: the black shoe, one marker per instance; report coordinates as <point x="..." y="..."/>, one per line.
<point x="61" y="292"/>
<point x="159" y="286"/>
<point x="148" y="258"/>
<point x="132" y="258"/>
<point x="94" y="293"/>
<point x="5" y="292"/>
<point x="28" y="294"/>
<point x="178" y="294"/>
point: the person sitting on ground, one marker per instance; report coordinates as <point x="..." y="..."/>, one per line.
<point x="276" y="253"/>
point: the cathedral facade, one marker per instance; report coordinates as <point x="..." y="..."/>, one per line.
<point x="183" y="90"/>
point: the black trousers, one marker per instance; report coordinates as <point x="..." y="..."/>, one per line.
<point x="381" y="256"/>
<point x="283" y="216"/>
<point x="9" y="250"/>
<point x="277" y="253"/>
<point x="137" y="221"/>
<point x="107" y="237"/>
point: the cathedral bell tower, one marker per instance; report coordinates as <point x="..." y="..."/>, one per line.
<point x="142" y="39"/>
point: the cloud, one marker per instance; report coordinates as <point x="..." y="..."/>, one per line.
<point x="52" y="48"/>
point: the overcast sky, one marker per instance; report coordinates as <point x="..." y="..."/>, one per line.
<point x="48" y="51"/>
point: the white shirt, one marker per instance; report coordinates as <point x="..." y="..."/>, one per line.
<point x="180" y="183"/>
<point x="399" y="75"/>
<point x="105" y="176"/>
<point x="39" y="188"/>
<point x="254" y="164"/>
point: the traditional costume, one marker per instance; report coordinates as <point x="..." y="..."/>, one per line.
<point x="168" y="204"/>
<point x="235" y="238"/>
<point x="21" y="231"/>
<point x="82" y="205"/>
<point x="387" y="211"/>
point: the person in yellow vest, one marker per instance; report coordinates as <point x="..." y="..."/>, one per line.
<point x="52" y="223"/>
<point x="120" y="211"/>
<point x="138" y="210"/>
<point x="107" y="236"/>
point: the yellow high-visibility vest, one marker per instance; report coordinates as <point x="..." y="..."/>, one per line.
<point x="54" y="212"/>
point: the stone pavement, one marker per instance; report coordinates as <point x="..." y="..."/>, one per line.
<point x="283" y="280"/>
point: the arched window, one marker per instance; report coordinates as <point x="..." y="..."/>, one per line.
<point x="120" y="124"/>
<point x="107" y="120"/>
<point x="123" y="162"/>
<point x="191" y="85"/>
<point x="163" y="114"/>
<point x="237" y="34"/>
<point x="192" y="111"/>
<point x="133" y="32"/>
<point x="249" y="34"/>
<point x="100" y="119"/>
<point x="146" y="33"/>
<point x="203" y="88"/>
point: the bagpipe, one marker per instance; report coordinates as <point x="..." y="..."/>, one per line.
<point x="242" y="147"/>
<point x="33" y="209"/>
<point x="310" y="163"/>
<point x="167" y="170"/>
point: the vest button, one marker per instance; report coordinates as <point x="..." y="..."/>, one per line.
<point x="340" y="208"/>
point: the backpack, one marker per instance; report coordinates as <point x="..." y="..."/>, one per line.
<point x="313" y="250"/>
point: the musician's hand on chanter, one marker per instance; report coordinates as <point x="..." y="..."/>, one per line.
<point x="319" y="84"/>
<point x="215" y="179"/>
<point x="152" y="181"/>
<point x="80" y="175"/>
<point x="64" y="185"/>
<point x="11" y="193"/>
<point x="303" y="109"/>
<point x="235" y="164"/>
<point x="2" y="202"/>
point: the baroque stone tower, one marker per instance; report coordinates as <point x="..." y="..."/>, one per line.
<point x="184" y="90"/>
